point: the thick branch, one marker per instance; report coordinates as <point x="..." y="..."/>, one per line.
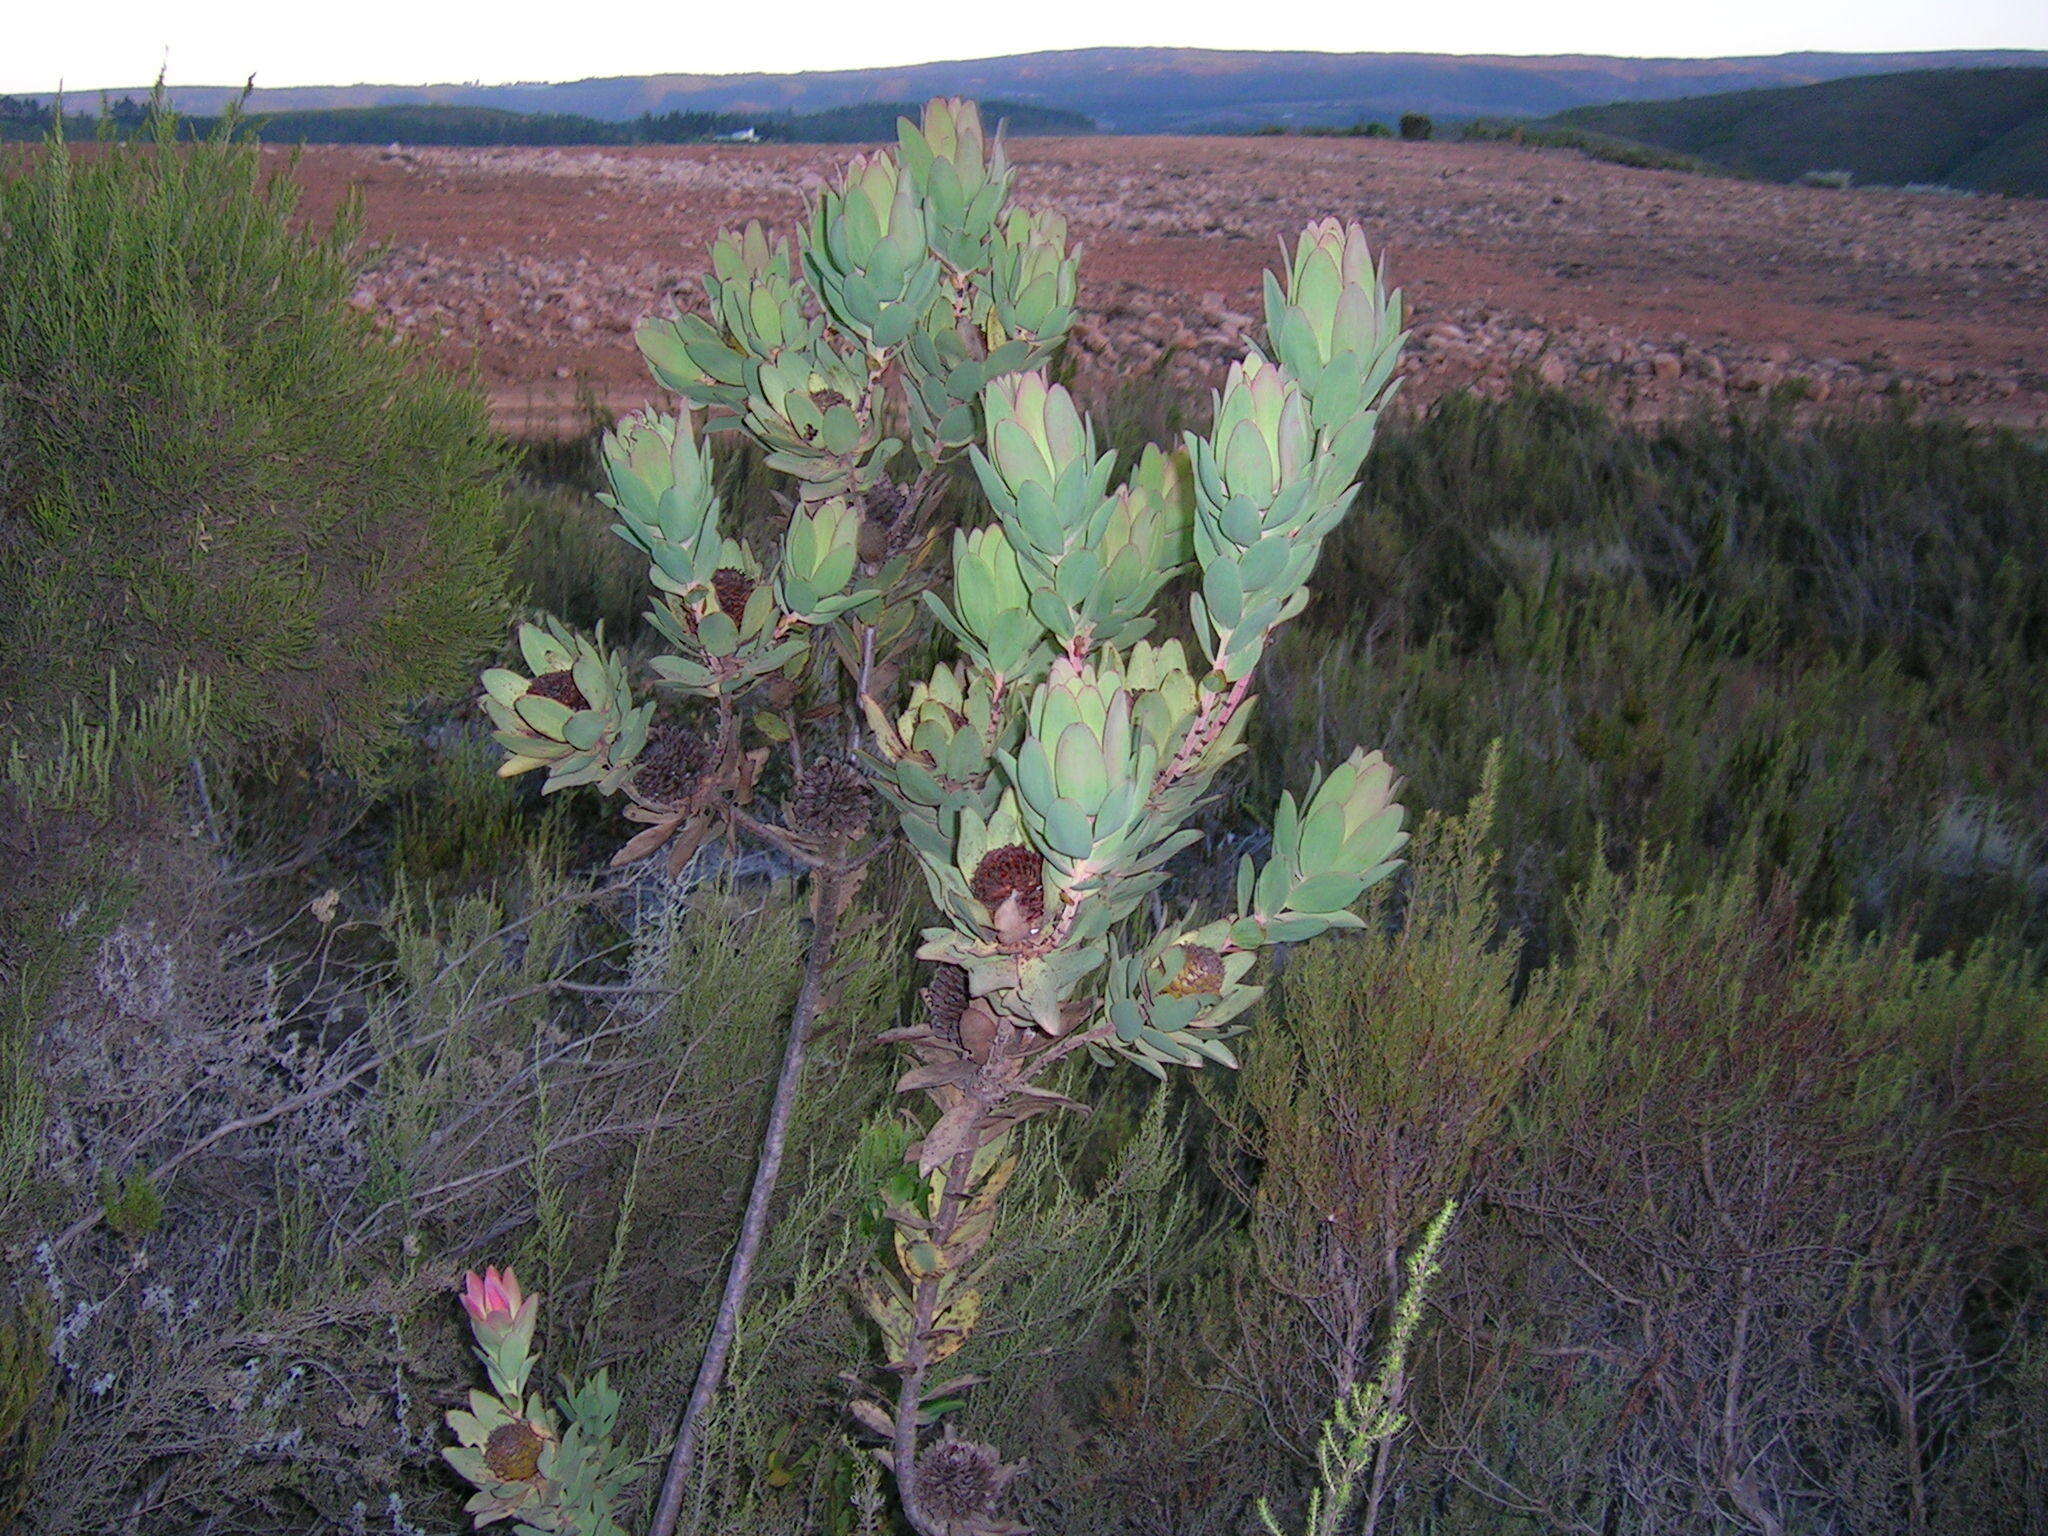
<point x="924" y="1316"/>
<point x="1208" y="725"/>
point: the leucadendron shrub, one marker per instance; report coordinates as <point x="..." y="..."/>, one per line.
<point x="1022" y="694"/>
<point x="212" y="464"/>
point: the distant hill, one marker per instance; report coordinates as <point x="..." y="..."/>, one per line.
<point x="443" y="124"/>
<point x="1982" y="129"/>
<point x="1147" y="90"/>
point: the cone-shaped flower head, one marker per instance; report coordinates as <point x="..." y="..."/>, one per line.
<point x="1263" y="435"/>
<point x="1174" y="1004"/>
<point x="661" y="487"/>
<point x="513" y="1451"/>
<point x="962" y="183"/>
<point x="731" y="589"/>
<point x="945" y="999"/>
<point x="1200" y="974"/>
<point x="575" y="715"/>
<point x="671" y="766"/>
<point x="1033" y="278"/>
<point x="1333" y="286"/>
<point x="493" y="1298"/>
<point x="960" y="1483"/>
<point x="832" y="801"/>
<point x="1035" y="432"/>
<point x="1013" y="870"/>
<point x="993" y="859"/>
<point x="1327" y="851"/>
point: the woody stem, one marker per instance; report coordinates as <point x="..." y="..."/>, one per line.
<point x="1207" y="727"/>
<point x="924" y="1315"/>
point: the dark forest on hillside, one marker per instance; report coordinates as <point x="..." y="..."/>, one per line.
<point x="24" y="120"/>
<point x="1979" y="129"/>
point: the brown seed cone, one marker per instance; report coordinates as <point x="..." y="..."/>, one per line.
<point x="979" y="1030"/>
<point x="883" y="522"/>
<point x="1201" y="973"/>
<point x="513" y="1452"/>
<point x="561" y="687"/>
<point x="670" y="766"/>
<point x="886" y="501"/>
<point x="1012" y="870"/>
<point x="831" y="800"/>
<point x="732" y="588"/>
<point x="959" y="1481"/>
<point x="944" y="1001"/>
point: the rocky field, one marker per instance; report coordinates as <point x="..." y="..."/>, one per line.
<point x="1659" y="291"/>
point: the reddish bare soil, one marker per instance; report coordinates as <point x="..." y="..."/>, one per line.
<point x="1657" y="290"/>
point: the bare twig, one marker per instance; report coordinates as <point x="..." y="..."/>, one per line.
<point x="830" y="889"/>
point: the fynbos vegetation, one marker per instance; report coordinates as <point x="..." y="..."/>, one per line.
<point x="1708" y="997"/>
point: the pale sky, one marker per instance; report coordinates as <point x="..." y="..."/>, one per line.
<point x="86" y="45"/>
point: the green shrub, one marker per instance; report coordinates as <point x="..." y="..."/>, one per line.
<point x="1377" y="1079"/>
<point x="1917" y="539"/>
<point x="210" y="463"/>
<point x="1594" y="146"/>
<point x="1416" y="125"/>
<point x="1629" y="725"/>
<point x="1795" y="1177"/>
<point x="233" y="517"/>
<point x="1728" y="639"/>
<point x="1706" y="1158"/>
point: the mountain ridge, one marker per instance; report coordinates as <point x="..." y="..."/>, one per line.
<point x="1145" y="90"/>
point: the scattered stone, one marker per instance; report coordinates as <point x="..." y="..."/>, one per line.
<point x="529" y="294"/>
